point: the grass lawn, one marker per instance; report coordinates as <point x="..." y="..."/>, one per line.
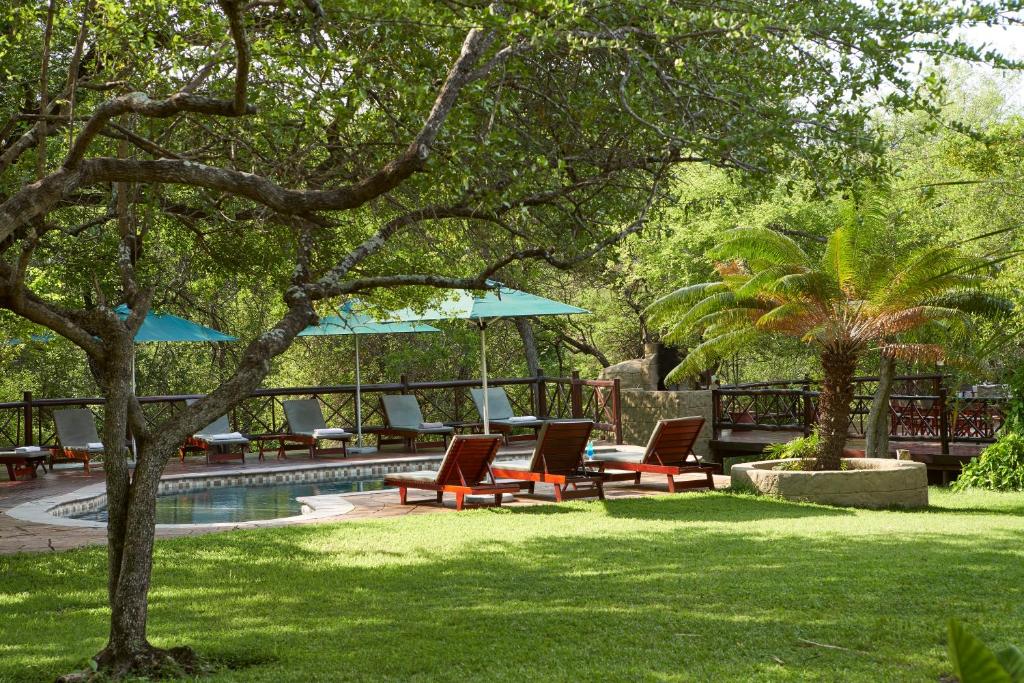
<point x="693" y="587"/>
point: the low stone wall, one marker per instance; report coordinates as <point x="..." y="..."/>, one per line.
<point x="641" y="410"/>
<point x="869" y="483"/>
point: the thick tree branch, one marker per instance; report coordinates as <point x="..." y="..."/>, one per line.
<point x="243" y="53"/>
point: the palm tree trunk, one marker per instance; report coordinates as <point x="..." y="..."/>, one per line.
<point x="834" y="406"/>
<point x="877" y="430"/>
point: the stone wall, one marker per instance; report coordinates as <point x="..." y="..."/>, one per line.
<point x="641" y="410"/>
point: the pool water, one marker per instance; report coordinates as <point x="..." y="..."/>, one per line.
<point x="241" y="503"/>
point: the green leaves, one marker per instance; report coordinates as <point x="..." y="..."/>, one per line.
<point x="760" y="248"/>
<point x="974" y="662"/>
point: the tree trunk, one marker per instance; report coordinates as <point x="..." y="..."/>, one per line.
<point x="877" y="435"/>
<point x="839" y="366"/>
<point x="529" y="346"/>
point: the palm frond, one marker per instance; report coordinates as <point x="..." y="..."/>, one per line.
<point x="842" y="259"/>
<point x="684" y="325"/>
<point x="712" y="351"/>
<point x="663" y="309"/>
<point x="760" y="248"/>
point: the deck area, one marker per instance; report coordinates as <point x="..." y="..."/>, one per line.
<point x="20" y="536"/>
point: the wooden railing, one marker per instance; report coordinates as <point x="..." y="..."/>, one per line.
<point x="30" y="420"/>
<point x="920" y="409"/>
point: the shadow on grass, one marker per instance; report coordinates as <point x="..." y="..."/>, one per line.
<point x="524" y="594"/>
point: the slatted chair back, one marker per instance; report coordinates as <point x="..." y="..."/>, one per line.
<point x="468" y="459"/>
<point x="498" y="405"/>
<point x="76" y="427"/>
<point x="218" y="426"/>
<point x="402" y="410"/>
<point x="671" y="442"/>
<point x="560" y="446"/>
<point x="304" y="415"/>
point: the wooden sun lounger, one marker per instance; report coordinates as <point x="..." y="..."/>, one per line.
<point x="405" y="421"/>
<point x="557" y="460"/>
<point x="668" y="451"/>
<point x="19" y="464"/>
<point x="502" y="416"/>
<point x="76" y="429"/>
<point x="465" y="471"/>
<point x="304" y="419"/>
<point x="216" y="450"/>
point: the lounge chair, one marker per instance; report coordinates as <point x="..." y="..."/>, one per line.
<point x="502" y="417"/>
<point x="76" y="434"/>
<point x="217" y="440"/>
<point x="668" y="451"/>
<point x="307" y="426"/>
<point x="557" y="460"/>
<point x="465" y="471"/>
<point x="405" y="420"/>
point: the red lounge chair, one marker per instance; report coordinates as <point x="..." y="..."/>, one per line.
<point x="465" y="471"/>
<point x="668" y="449"/>
<point x="558" y="460"/>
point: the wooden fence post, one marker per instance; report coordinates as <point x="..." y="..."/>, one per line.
<point x="27" y="398"/>
<point x="541" y="394"/>
<point x="716" y="414"/>
<point x="576" y="395"/>
<point x="943" y="421"/>
<point x="404" y="381"/>
<point x="808" y="407"/>
<point x="617" y="409"/>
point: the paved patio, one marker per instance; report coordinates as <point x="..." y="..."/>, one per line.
<point x="21" y="536"/>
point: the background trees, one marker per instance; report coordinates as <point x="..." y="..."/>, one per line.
<point x="253" y="162"/>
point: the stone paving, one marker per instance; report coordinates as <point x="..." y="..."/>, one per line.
<point x="22" y="536"/>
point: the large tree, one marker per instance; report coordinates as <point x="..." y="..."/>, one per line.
<point x="333" y="148"/>
<point x="843" y="301"/>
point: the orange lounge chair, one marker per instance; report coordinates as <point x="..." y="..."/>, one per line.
<point x="668" y="449"/>
<point x="557" y="460"/>
<point x="465" y="471"/>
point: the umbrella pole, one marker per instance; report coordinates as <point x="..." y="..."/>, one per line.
<point x="359" y="399"/>
<point x="359" y="406"/>
<point x="483" y="375"/>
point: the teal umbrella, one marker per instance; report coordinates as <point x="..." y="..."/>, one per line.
<point x="158" y="327"/>
<point x="488" y="306"/>
<point x="164" y="327"/>
<point x="352" y="322"/>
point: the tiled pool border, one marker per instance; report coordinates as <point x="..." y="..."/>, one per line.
<point x="55" y="510"/>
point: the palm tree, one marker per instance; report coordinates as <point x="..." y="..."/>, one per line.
<point x="843" y="304"/>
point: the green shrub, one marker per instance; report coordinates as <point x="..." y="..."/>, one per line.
<point x="803" y="451"/>
<point x="1000" y="467"/>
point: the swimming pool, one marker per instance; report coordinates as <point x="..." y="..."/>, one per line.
<point x="226" y="504"/>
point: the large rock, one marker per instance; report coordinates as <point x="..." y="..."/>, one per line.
<point x="869" y="483"/>
<point x="639" y="373"/>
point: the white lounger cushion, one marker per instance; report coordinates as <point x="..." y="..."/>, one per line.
<point x="431" y="425"/>
<point x="227" y="436"/>
<point x="329" y="433"/>
<point x="522" y="418"/>
<point x="27" y="449"/>
<point x="94" y="446"/>
<point x="523" y="465"/>
<point x="422" y="475"/>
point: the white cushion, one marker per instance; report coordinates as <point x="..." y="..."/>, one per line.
<point x="94" y="446"/>
<point x="329" y="433"/>
<point x="522" y="418"/>
<point x="228" y="436"/>
<point x="431" y="425"/>
<point x="521" y="465"/>
<point x="27" y="449"/>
